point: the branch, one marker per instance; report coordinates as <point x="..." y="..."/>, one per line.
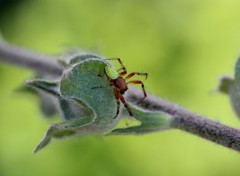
<point x="183" y="119"/>
<point x="25" y="58"/>
<point x="190" y="122"/>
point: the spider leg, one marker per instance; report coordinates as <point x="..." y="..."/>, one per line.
<point x="125" y="104"/>
<point x="139" y="82"/>
<point x="124" y="70"/>
<point x="97" y="87"/>
<point x="116" y="93"/>
<point x="99" y="75"/>
<point x="136" y="73"/>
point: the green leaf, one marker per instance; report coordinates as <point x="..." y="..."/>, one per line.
<point x="150" y="122"/>
<point x="78" y="59"/>
<point x="78" y="83"/>
<point x="225" y="84"/>
<point x="232" y="88"/>
<point x="47" y="103"/>
<point x="237" y="71"/>
<point x="85" y="110"/>
<point x="83" y="57"/>
<point x="71" y="109"/>
<point x="47" y="86"/>
<point x="53" y="131"/>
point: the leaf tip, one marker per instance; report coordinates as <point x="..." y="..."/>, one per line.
<point x="224" y="84"/>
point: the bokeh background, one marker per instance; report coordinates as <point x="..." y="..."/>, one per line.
<point x="184" y="46"/>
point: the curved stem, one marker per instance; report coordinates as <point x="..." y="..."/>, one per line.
<point x="183" y="119"/>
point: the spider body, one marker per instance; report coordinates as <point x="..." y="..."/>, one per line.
<point x="111" y="72"/>
<point x="120" y="84"/>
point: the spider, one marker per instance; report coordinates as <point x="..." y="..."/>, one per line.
<point x="120" y="84"/>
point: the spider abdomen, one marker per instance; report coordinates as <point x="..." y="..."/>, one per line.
<point x="111" y="72"/>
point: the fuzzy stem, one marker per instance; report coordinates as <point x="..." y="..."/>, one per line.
<point x="25" y="58"/>
<point x="190" y="122"/>
<point x="183" y="119"/>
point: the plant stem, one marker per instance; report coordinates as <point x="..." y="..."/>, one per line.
<point x="183" y="119"/>
<point x="39" y="63"/>
<point x="190" y="122"/>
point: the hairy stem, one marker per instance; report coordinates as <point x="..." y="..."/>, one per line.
<point x="183" y="119"/>
<point x="25" y="58"/>
<point x="190" y="122"/>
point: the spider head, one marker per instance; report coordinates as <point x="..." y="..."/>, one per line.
<point x="124" y="90"/>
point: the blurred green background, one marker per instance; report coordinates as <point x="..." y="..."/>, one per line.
<point x="184" y="46"/>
